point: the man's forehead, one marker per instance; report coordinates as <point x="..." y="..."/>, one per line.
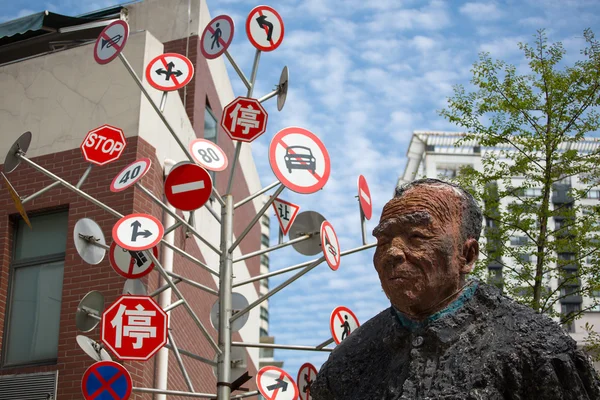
<point x="439" y="202"/>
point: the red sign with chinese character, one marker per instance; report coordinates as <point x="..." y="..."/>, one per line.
<point x="244" y="119"/>
<point x="134" y="327"/>
<point x="103" y="145"/>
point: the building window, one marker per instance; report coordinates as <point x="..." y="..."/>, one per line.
<point x="263" y="332"/>
<point x="265" y="283"/>
<point x="532" y="192"/>
<point x="519" y="240"/>
<point x="266" y="221"/>
<point x="210" y="131"/>
<point x="593" y="194"/>
<point x="264" y="314"/>
<point x="264" y="239"/>
<point x="264" y="259"/>
<point x="568" y="310"/>
<point x="33" y="317"/>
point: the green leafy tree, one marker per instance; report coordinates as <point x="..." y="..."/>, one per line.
<point x="531" y="127"/>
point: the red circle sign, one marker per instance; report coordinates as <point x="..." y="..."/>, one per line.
<point x="188" y="186"/>
<point x="342" y="323"/>
<point x="138" y="232"/>
<point x="106" y="379"/>
<point x="103" y="145"/>
<point x="306" y="376"/>
<point x="111" y="41"/>
<point x="169" y="71"/>
<point x="130" y="174"/>
<point x="264" y="28"/>
<point x="330" y="246"/>
<point x="299" y="160"/>
<point x="274" y="384"/>
<point x="364" y="197"/>
<point x="217" y="37"/>
<point x="130" y="264"/>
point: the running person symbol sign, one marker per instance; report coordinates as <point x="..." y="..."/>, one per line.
<point x="276" y="384"/>
<point x="299" y="160"/>
<point x="217" y="37"/>
<point x="264" y="28"/>
<point x="342" y="323"/>
<point x="111" y="42"/>
<point x="170" y="71"/>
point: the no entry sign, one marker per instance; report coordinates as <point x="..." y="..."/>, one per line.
<point x="130" y="174"/>
<point x="188" y="186"/>
<point x="138" y="232"/>
<point x="208" y="154"/>
<point x="217" y="36"/>
<point x="106" y="380"/>
<point x="274" y="383"/>
<point x="130" y="264"/>
<point x="364" y="197"/>
<point x="169" y="71"/>
<point x="103" y="145"/>
<point x="244" y="119"/>
<point x="299" y="160"/>
<point x="111" y="41"/>
<point x="330" y="246"/>
<point x="286" y="214"/>
<point x="306" y="375"/>
<point x="342" y="323"/>
<point x="264" y="28"/>
<point x="134" y="327"/>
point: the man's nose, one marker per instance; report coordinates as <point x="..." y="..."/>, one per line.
<point x="396" y="254"/>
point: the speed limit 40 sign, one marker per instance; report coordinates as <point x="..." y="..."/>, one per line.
<point x="208" y="155"/>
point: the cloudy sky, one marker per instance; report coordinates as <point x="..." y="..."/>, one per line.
<point x="363" y="76"/>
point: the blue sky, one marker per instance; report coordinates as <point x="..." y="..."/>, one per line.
<point x="363" y="76"/>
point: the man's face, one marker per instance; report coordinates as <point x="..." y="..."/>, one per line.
<point x="419" y="254"/>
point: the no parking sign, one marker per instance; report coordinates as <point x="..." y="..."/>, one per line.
<point x="106" y="380"/>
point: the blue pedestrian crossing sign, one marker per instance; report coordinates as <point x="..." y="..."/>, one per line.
<point x="106" y="380"/>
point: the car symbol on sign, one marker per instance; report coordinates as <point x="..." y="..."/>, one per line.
<point x="299" y="157"/>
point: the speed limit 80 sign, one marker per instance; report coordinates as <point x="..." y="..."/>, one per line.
<point x="208" y="155"/>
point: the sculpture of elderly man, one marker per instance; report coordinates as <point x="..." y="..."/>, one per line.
<point x="446" y="337"/>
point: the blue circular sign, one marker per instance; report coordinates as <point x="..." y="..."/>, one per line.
<point x="106" y="380"/>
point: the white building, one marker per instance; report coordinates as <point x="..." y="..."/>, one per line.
<point x="435" y="155"/>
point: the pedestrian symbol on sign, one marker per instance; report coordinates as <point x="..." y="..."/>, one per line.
<point x="216" y="36"/>
<point x="346" y="327"/>
<point x="138" y="325"/>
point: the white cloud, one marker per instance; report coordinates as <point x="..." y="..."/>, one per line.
<point x="481" y="11"/>
<point x="503" y="47"/>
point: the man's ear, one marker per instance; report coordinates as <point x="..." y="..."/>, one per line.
<point x="470" y="254"/>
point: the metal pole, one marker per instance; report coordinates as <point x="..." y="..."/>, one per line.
<point x="298" y="266"/>
<point x="280" y="236"/>
<point x="191" y="258"/>
<point x="154" y="106"/>
<point x="84" y="176"/>
<point x="163" y="288"/>
<point x="363" y="225"/>
<point x="172" y="228"/>
<point x="270" y="249"/>
<point x="256" y="218"/>
<point x="188" y="381"/>
<point x="277" y="289"/>
<point x="194" y="283"/>
<point x="213" y="212"/>
<point x="225" y="305"/>
<point x="194" y="356"/>
<point x="268" y="96"/>
<point x="278" y="346"/>
<point x="237" y="69"/>
<point x="179" y="295"/>
<point x="41" y="191"/>
<point x="254" y="71"/>
<point x="173" y="305"/>
<point x="238" y="148"/>
<point x="218" y="197"/>
<point x="163" y="101"/>
<point x="325" y="343"/>
<point x="174" y="393"/>
<point x="252" y="196"/>
<point x="177" y="217"/>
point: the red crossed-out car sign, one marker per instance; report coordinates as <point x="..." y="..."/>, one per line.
<point x="103" y="145"/>
<point x="244" y="119"/>
<point x="134" y="327"/>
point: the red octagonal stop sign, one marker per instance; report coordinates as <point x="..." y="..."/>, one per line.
<point x="103" y="145"/>
<point x="134" y="327"/>
<point x="244" y="119"/>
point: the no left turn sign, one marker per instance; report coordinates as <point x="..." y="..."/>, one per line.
<point x="264" y="28"/>
<point x="342" y="323"/>
<point x="330" y="246"/>
<point x="217" y="36"/>
<point x="208" y="154"/>
<point x="111" y="41"/>
<point x="299" y="160"/>
<point x="138" y="232"/>
<point x="130" y="174"/>
<point x="276" y="384"/>
<point x="131" y="264"/>
<point x="169" y="71"/>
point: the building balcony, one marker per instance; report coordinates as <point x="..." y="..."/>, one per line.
<point x="560" y="194"/>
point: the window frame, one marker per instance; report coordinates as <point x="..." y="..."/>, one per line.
<point x="25" y="263"/>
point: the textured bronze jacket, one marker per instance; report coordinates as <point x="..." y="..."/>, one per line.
<point x="484" y="346"/>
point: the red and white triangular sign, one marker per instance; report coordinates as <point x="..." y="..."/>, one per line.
<point x="286" y="214"/>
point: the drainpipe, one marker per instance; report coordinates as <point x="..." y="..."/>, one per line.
<point x="164" y="300"/>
